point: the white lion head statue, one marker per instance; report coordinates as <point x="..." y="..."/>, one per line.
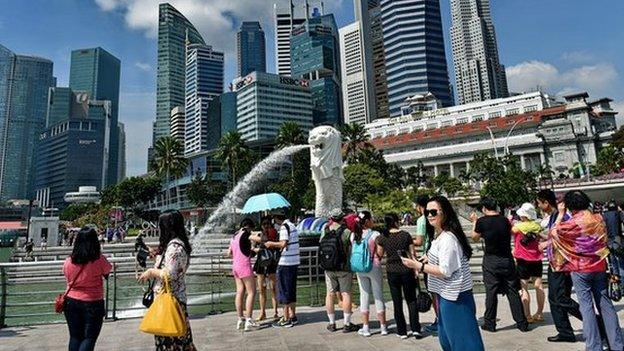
<point x="326" y="152"/>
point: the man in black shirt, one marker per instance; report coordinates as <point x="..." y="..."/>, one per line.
<point x="499" y="269"/>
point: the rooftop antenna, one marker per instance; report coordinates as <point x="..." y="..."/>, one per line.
<point x="322" y="8"/>
<point x="307" y="10"/>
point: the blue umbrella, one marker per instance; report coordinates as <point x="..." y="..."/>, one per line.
<point x="265" y="202"/>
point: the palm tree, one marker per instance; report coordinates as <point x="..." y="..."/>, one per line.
<point x="355" y="139"/>
<point x="169" y="160"/>
<point x="232" y="152"/>
<point x="289" y="134"/>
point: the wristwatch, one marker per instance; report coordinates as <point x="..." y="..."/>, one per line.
<point x="422" y="268"/>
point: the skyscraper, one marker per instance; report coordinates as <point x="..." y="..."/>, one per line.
<point x="204" y="82"/>
<point x="73" y="151"/>
<point x="174" y="30"/>
<point x="122" y="153"/>
<point x="314" y="56"/>
<point x="479" y="75"/>
<point x="414" y="51"/>
<point x="368" y="15"/>
<point x="251" y="48"/>
<point x="177" y="123"/>
<point x="24" y="84"/>
<point x="97" y="72"/>
<point x="285" y="21"/>
<point x="358" y="95"/>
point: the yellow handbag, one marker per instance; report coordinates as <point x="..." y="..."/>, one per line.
<point x="165" y="316"/>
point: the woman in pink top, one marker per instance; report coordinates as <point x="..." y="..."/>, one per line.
<point x="84" y="303"/>
<point x="529" y="259"/>
<point x="241" y="253"/>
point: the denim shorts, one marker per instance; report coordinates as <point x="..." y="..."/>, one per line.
<point x="287" y="284"/>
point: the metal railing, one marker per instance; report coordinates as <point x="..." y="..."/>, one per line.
<point x="28" y="289"/>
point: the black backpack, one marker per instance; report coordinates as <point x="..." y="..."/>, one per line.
<point x="332" y="255"/>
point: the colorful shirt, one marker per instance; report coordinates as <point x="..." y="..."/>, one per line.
<point x="421" y="230"/>
<point x="580" y="244"/>
<point x="175" y="262"/>
<point x="531" y="251"/>
<point x="88" y="284"/>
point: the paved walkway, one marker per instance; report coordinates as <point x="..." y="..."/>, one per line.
<point x="217" y="333"/>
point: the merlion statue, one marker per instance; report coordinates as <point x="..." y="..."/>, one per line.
<point x="326" y="166"/>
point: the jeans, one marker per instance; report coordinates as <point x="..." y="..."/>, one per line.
<point x="592" y="287"/>
<point x="404" y="283"/>
<point x="500" y="277"/>
<point x="84" y="320"/>
<point x="561" y="304"/>
<point x="371" y="284"/>
<point x="457" y="325"/>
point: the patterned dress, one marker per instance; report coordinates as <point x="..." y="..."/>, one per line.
<point x="176" y="262"/>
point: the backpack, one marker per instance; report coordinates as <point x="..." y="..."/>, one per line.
<point x="267" y="261"/>
<point x="361" y="259"/>
<point x="332" y="255"/>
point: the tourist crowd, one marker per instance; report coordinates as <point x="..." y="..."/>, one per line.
<point x="430" y="269"/>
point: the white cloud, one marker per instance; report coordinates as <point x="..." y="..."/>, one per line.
<point x="143" y="66"/>
<point x="107" y="5"/>
<point x="619" y="107"/>
<point x="598" y="79"/>
<point x="578" y="57"/>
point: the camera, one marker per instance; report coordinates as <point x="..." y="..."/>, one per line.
<point x="528" y="238"/>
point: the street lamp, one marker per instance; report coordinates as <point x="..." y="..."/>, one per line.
<point x="508" y="135"/>
<point x="493" y="142"/>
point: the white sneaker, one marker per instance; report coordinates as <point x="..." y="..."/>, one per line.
<point x="250" y="324"/>
<point x="384" y="330"/>
<point x="364" y="332"/>
<point x="240" y="324"/>
<point x="402" y="337"/>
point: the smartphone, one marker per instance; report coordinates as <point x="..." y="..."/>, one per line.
<point x="402" y="253"/>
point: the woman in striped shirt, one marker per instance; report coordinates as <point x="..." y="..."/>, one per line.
<point x="448" y="268"/>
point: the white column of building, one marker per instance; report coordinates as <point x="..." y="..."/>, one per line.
<point x="542" y="157"/>
<point x="451" y="170"/>
<point x="435" y="170"/>
<point x="522" y="162"/>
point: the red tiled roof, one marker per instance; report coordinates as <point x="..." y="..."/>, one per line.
<point x="12" y="226"/>
<point x="474" y="128"/>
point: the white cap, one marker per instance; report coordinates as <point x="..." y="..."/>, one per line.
<point x="527" y="210"/>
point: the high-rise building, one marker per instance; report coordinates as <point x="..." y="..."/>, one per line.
<point x="358" y="95"/>
<point x="479" y="75"/>
<point x="251" y="48"/>
<point x="24" y="84"/>
<point x="177" y="123"/>
<point x="285" y="21"/>
<point x="204" y="82"/>
<point x="414" y="52"/>
<point x="368" y="15"/>
<point x="174" y="30"/>
<point x="289" y="100"/>
<point x="314" y="56"/>
<point x="97" y="72"/>
<point x="122" y="152"/>
<point x="228" y="112"/>
<point x="74" y="151"/>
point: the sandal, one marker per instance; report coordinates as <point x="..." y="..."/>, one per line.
<point x="261" y="318"/>
<point x="530" y="319"/>
<point x="538" y="317"/>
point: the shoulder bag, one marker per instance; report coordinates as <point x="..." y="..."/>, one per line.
<point x="59" y="302"/>
<point x="423" y="300"/>
<point x="165" y="316"/>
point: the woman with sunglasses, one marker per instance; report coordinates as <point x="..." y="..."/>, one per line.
<point x="447" y="264"/>
<point x="395" y="243"/>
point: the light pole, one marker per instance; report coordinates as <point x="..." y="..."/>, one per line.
<point x="508" y="135"/>
<point x="493" y="142"/>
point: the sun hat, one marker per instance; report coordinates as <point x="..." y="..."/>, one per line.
<point x="527" y="210"/>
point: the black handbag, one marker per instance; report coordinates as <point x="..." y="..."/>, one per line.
<point x="148" y="296"/>
<point x="423" y="299"/>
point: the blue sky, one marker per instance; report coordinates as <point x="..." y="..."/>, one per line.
<point x="559" y="45"/>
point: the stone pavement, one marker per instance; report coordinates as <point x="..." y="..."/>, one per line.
<point x="217" y="333"/>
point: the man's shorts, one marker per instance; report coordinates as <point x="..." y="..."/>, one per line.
<point x="287" y="284"/>
<point x="338" y="281"/>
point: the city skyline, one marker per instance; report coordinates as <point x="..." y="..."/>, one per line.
<point x="584" y="58"/>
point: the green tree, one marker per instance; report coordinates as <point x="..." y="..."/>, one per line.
<point x="361" y="181"/>
<point x="610" y="160"/>
<point x="451" y="186"/>
<point x="75" y="211"/>
<point x="234" y="154"/>
<point x="355" y="139"/>
<point x="503" y="179"/>
<point x="289" y="134"/>
<point x="204" y="191"/>
<point x="618" y="138"/>
<point x="169" y="161"/>
<point x="396" y="200"/>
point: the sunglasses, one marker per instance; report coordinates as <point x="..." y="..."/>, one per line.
<point x="431" y="213"/>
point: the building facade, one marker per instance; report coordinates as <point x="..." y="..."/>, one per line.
<point x="251" y="48"/>
<point x="368" y="15"/>
<point x="479" y="75"/>
<point x="414" y="52"/>
<point x="265" y="101"/>
<point x="24" y="84"/>
<point x="122" y="152"/>
<point x="228" y="112"/>
<point x="177" y="123"/>
<point x="358" y="94"/>
<point x="97" y="72"/>
<point x="315" y="56"/>
<point x="73" y="152"/>
<point x="286" y="20"/>
<point x="533" y="126"/>
<point x="204" y="82"/>
<point x="174" y="31"/>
